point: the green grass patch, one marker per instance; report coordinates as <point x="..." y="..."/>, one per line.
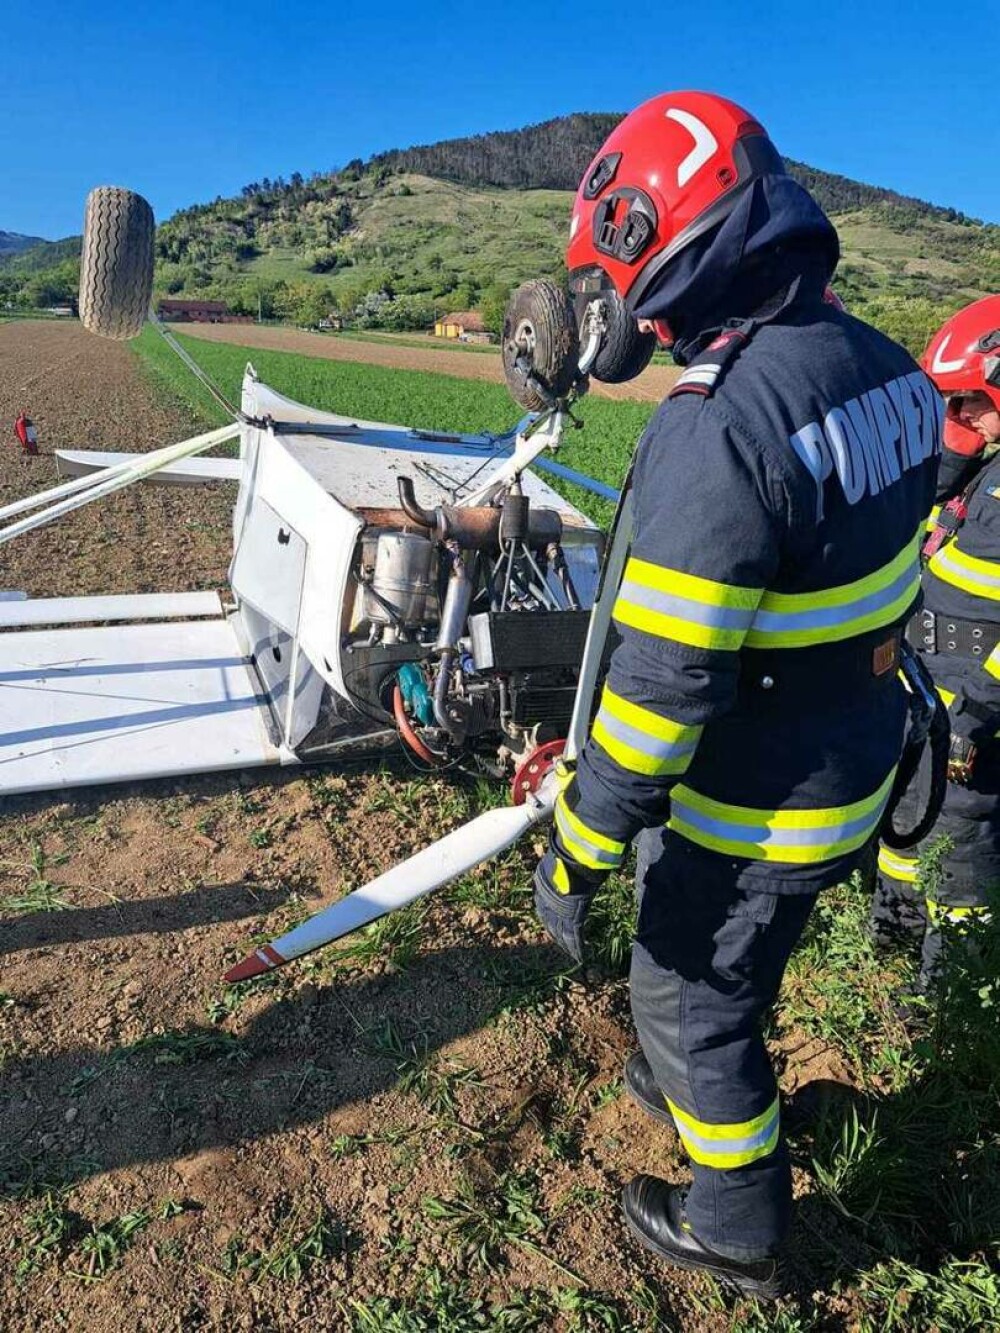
<point x="39" y="893"/>
<point x="305" y="1237"/>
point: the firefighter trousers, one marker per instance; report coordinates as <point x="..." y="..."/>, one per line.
<point x="931" y="893"/>
<point x="706" y="964"/>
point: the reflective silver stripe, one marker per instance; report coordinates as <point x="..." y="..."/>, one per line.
<point x="776" y="621"/>
<point x="759" y="834"/>
<point x="943" y="560"/>
<point x="790" y="835"/>
<point x="735" y="1145"/>
<point x="683" y="608"/>
<point x="581" y="847"/>
<point x="727" y="1146"/>
<point x="705" y="374"/>
<point x="642" y="740"/>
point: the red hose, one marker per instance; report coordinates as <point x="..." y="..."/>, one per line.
<point x="406" y="731"/>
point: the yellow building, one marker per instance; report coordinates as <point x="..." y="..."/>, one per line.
<point x="464" y="324"/>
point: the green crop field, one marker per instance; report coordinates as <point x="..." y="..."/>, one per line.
<point x="895" y="1139"/>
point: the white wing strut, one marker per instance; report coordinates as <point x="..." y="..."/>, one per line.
<point x="82" y="490"/>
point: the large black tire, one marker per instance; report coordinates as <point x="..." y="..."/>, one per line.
<point x="541" y="348"/>
<point x="116" y="266"/>
<point x="624" y="351"/>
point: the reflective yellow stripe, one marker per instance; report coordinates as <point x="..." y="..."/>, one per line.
<point x="670" y="604"/>
<point x="560" y="876"/>
<point x="898" y="867"/>
<point x="686" y="608"/>
<point x="992" y="663"/>
<point x="794" y="836"/>
<point x="932" y="519"/>
<point x="968" y="572"/>
<point x="640" y="740"/>
<point x="798" y="620"/>
<point x="941" y="912"/>
<point x="727" y="1146"/>
<point x="585" y="845"/>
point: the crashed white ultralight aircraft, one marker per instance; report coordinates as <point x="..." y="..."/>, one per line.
<point x="389" y="586"/>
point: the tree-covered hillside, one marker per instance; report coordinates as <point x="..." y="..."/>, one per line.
<point x="553" y="155"/>
<point x="392" y="242"/>
<point x="41" y="274"/>
<point x="11" y="242"/>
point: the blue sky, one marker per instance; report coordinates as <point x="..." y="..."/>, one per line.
<point x="186" y="101"/>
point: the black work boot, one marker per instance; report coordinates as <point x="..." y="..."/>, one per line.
<point x="654" y="1212"/>
<point x="644" y="1090"/>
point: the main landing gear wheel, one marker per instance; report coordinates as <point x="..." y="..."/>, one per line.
<point x="624" y="351"/>
<point x="541" y="346"/>
<point x="116" y="264"/>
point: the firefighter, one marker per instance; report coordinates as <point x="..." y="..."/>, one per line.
<point x="752" y="717"/>
<point x="958" y="633"/>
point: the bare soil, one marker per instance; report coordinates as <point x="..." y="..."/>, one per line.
<point x="83" y="392"/>
<point x="176" y="1155"/>
<point x="651" y="386"/>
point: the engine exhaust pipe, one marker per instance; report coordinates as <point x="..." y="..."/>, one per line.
<point x="481" y="527"/>
<point x="426" y="518"/>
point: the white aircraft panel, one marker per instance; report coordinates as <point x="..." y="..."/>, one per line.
<point x="79" y="707"/>
<point x="129" y="606"/>
<point x="188" y="472"/>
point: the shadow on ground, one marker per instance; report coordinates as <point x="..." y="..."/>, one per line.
<point x="207" y="906"/>
<point x="199" y="1088"/>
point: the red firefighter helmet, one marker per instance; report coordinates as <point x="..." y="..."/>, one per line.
<point x="673" y="168"/>
<point x="964" y="355"/>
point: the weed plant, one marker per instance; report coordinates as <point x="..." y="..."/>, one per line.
<point x="305" y="1236"/>
<point x="39" y="894"/>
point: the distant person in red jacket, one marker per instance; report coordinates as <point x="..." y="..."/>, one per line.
<point x="24" y="429"/>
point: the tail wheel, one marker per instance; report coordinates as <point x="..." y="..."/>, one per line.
<point x="116" y="266"/>
<point x="541" y="346"/>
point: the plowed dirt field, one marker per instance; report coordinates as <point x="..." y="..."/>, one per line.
<point x="85" y="393"/>
<point x="427" y="1132"/>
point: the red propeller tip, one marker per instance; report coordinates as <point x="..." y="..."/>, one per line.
<point x="255" y="965"/>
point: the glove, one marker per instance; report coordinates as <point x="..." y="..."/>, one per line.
<point x="961" y="760"/>
<point x="563" y="894"/>
<point x="563" y="888"/>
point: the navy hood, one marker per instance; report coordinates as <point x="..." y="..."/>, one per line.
<point x="775" y="248"/>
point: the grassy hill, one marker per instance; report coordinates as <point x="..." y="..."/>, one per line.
<point x="433" y="243"/>
<point x="391" y="242"/>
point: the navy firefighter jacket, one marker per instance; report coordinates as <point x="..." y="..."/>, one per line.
<point x="753" y="703"/>
<point x="961" y="623"/>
